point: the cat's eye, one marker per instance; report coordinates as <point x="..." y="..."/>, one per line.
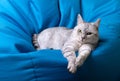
<point x="79" y="31"/>
<point x="89" y="33"/>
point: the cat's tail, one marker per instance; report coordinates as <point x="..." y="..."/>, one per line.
<point x="35" y="42"/>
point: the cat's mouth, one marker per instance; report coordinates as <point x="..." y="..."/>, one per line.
<point x="83" y="39"/>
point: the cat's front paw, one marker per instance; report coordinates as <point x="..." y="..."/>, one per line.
<point x="79" y="62"/>
<point x="71" y="67"/>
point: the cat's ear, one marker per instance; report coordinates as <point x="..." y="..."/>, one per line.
<point x="79" y="19"/>
<point x="97" y="22"/>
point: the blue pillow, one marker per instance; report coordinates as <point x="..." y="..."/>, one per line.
<point x="20" y="19"/>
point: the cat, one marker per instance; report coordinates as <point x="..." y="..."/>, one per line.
<point x="83" y="38"/>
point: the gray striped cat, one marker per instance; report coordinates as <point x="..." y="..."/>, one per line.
<point x="83" y="38"/>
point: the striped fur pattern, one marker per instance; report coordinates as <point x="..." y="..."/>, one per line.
<point x="83" y="38"/>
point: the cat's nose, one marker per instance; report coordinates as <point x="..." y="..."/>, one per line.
<point x="83" y="37"/>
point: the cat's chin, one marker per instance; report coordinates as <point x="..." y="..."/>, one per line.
<point x="83" y="40"/>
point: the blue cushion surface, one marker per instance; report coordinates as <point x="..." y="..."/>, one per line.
<point x="20" y="19"/>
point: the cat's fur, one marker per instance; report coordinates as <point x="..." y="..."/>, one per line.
<point x="83" y="38"/>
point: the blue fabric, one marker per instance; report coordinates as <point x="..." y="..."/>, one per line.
<point x="20" y="19"/>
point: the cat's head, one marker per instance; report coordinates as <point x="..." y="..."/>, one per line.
<point x="87" y="32"/>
